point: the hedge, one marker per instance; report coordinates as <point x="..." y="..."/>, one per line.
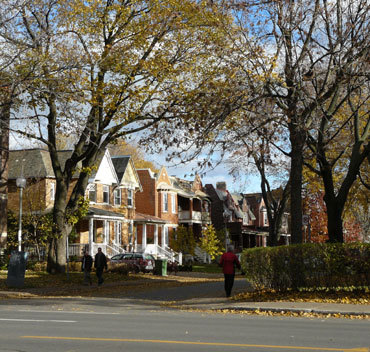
<point x="308" y="266"/>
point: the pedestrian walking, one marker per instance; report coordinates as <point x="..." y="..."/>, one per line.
<point x="228" y="262"/>
<point x="100" y="264"/>
<point x="86" y="267"/>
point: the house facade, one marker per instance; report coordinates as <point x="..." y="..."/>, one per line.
<point x="158" y="204"/>
<point x="109" y="222"/>
<point x="235" y="214"/>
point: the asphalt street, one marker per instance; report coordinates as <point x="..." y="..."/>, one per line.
<point x="137" y="322"/>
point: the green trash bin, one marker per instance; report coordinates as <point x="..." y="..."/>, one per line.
<point x="160" y="267"/>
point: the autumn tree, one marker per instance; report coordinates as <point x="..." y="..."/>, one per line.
<point x="313" y="48"/>
<point x="340" y="146"/>
<point x="256" y="153"/>
<point x="183" y="240"/>
<point x="210" y="243"/>
<point x="105" y="70"/>
<point x="293" y="57"/>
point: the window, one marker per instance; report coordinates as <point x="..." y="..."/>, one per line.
<point x="173" y="203"/>
<point x="117" y="197"/>
<point x="265" y="218"/>
<point x="52" y="191"/>
<point x="165" y="202"/>
<point x="92" y="192"/>
<point x="130" y="200"/>
<point x="106" y="194"/>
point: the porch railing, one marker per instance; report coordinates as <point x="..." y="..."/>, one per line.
<point x="160" y="252"/>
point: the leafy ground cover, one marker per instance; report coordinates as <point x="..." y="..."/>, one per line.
<point x="322" y="296"/>
<point x="42" y="284"/>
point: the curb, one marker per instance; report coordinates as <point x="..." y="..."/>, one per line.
<point x="292" y="310"/>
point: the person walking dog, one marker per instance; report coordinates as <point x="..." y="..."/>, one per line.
<point x="228" y="262"/>
<point x="86" y="267"/>
<point x="100" y="264"/>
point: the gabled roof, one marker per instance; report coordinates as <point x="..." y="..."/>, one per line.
<point x="120" y="164"/>
<point x="105" y="172"/>
<point x="34" y="163"/>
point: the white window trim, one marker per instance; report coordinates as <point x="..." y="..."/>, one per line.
<point x="115" y="197"/>
<point x="91" y="186"/>
<point x="52" y="191"/>
<point x="165" y="202"/>
<point x="105" y="187"/>
<point x="173" y="203"/>
<point x="130" y="196"/>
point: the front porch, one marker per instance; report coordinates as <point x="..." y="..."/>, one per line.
<point x="152" y="237"/>
<point x="102" y="228"/>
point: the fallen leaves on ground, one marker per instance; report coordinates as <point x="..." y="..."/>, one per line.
<point x="346" y="297"/>
<point x="42" y="284"/>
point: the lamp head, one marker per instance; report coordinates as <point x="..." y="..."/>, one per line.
<point x="21" y="182"/>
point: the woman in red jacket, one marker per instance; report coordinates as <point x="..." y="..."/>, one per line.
<point x="228" y="262"/>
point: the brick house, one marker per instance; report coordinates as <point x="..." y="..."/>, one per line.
<point x="109" y="221"/>
<point x="236" y="213"/>
<point x="194" y="205"/>
<point x="157" y="204"/>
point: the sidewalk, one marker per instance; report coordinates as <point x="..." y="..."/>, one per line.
<point x="217" y="304"/>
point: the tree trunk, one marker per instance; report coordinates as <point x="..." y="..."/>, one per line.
<point x="4" y="157"/>
<point x="297" y="144"/>
<point x="57" y="245"/>
<point x="334" y="214"/>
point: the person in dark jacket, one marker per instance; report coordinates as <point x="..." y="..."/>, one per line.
<point x="228" y="262"/>
<point x="86" y="267"/>
<point x="100" y="264"/>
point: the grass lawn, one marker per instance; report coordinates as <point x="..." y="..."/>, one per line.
<point x="207" y="268"/>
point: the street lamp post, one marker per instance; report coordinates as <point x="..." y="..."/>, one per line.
<point x="21" y="184"/>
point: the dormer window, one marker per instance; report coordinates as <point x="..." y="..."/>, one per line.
<point x="106" y="194"/>
<point x="92" y="192"/>
<point x="130" y="198"/>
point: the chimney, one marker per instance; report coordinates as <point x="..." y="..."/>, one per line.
<point x="221" y="186"/>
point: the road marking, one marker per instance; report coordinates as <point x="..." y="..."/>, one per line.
<point x="41" y="320"/>
<point x="198" y="343"/>
<point x="64" y="311"/>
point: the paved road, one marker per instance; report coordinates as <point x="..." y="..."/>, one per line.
<point x="136" y="322"/>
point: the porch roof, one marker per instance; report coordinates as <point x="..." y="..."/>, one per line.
<point x="104" y="214"/>
<point x="254" y="232"/>
<point x="145" y="218"/>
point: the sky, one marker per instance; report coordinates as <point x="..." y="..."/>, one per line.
<point x="245" y="183"/>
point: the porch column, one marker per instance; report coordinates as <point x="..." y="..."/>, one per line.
<point x="91" y="235"/>
<point x="156" y="239"/>
<point x="163" y="239"/>
<point x="143" y="242"/>
<point x="105" y="231"/>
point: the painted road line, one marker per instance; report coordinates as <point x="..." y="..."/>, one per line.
<point x="215" y="344"/>
<point x="64" y="311"/>
<point x="40" y="320"/>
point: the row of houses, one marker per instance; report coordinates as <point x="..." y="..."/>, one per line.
<point x="137" y="209"/>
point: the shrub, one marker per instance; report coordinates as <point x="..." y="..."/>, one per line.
<point x="313" y="266"/>
<point x="36" y="266"/>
